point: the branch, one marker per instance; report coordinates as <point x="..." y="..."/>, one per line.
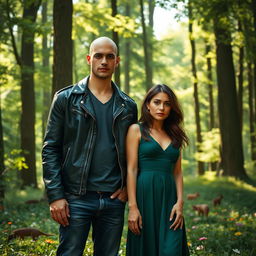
<point x="14" y="45"/>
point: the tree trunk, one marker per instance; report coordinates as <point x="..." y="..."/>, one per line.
<point x="231" y="138"/>
<point x="63" y="50"/>
<point x="240" y="80"/>
<point x="213" y="165"/>
<point x="253" y="141"/>
<point x="127" y="49"/>
<point x="147" y="63"/>
<point x="251" y="112"/>
<point x="2" y="166"/>
<point x="27" y="124"/>
<point x="46" y="67"/>
<point x="116" y="40"/>
<point x="151" y="4"/>
<point x="210" y="87"/>
<point x="197" y="108"/>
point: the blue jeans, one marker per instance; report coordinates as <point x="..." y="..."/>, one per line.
<point x="106" y="216"/>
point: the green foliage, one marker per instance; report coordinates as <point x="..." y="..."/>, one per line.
<point x="89" y="17"/>
<point x="15" y="161"/>
<point x="210" y="147"/>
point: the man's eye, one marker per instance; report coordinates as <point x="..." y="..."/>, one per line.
<point x="97" y="56"/>
<point x="110" y="56"/>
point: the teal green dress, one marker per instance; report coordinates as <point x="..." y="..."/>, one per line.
<point x="156" y="195"/>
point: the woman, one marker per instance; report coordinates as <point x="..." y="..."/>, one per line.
<point x="154" y="178"/>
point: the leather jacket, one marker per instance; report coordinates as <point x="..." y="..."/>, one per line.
<point x="70" y="138"/>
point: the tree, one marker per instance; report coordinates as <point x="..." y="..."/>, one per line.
<point x="2" y="166"/>
<point x="127" y="47"/>
<point x="63" y="49"/>
<point x="116" y="40"/>
<point x="195" y="84"/>
<point x="26" y="62"/>
<point x="147" y="61"/>
<point x="46" y="68"/>
<point x="231" y="138"/>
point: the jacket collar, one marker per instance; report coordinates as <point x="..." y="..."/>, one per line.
<point x="82" y="88"/>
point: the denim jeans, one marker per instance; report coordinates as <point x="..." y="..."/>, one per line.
<point x="105" y="215"/>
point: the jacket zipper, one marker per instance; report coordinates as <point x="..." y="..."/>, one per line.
<point x="118" y="159"/>
<point x="90" y="144"/>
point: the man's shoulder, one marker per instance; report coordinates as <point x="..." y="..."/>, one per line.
<point x="65" y="89"/>
<point x="127" y="97"/>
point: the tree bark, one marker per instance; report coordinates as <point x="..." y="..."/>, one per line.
<point x="151" y="4"/>
<point x="240" y="80"/>
<point x="210" y="87"/>
<point x="127" y="49"/>
<point x="213" y="165"/>
<point x="195" y="85"/>
<point x="46" y="67"/>
<point x="2" y="166"/>
<point x="231" y="138"/>
<point x="27" y="124"/>
<point x="63" y="49"/>
<point x="147" y="63"/>
<point x="253" y="141"/>
<point x="116" y="40"/>
<point x="251" y="112"/>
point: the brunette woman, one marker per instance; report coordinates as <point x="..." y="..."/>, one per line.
<point x="154" y="178"/>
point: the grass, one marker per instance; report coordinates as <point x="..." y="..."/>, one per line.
<point x="229" y="229"/>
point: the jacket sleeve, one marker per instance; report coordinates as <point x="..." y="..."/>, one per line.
<point x="52" y="150"/>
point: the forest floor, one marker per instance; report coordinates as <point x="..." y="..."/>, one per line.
<point x="229" y="230"/>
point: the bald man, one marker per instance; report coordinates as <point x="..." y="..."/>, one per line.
<point x="84" y="166"/>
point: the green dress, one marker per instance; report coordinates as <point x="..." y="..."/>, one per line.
<point x="156" y="195"/>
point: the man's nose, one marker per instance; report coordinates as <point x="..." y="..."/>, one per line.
<point x="104" y="60"/>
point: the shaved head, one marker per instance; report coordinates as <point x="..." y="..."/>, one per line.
<point x="102" y="40"/>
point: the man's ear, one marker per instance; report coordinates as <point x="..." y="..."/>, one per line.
<point x="88" y="57"/>
<point x="117" y="61"/>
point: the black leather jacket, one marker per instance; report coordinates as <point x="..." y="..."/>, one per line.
<point x="70" y="138"/>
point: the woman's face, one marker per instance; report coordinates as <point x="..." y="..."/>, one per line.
<point x="160" y="106"/>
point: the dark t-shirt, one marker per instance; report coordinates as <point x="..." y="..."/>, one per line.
<point x="104" y="174"/>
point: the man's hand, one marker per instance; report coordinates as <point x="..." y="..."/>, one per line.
<point x="121" y="194"/>
<point x="60" y="211"/>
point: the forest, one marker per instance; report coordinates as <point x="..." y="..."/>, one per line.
<point x="207" y="55"/>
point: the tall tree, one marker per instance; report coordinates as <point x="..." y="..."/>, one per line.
<point x="46" y="68"/>
<point x="116" y="40"/>
<point x="26" y="62"/>
<point x="231" y="138"/>
<point x="2" y="166"/>
<point x="195" y="85"/>
<point x="63" y="50"/>
<point x="240" y="79"/>
<point x="27" y="93"/>
<point x="147" y="63"/>
<point x="251" y="111"/>
<point x="212" y="124"/>
<point x="127" y="48"/>
<point x="253" y="135"/>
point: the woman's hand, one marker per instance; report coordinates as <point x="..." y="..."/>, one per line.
<point x="134" y="220"/>
<point x="177" y="210"/>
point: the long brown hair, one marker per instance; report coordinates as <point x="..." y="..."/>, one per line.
<point x="172" y="124"/>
